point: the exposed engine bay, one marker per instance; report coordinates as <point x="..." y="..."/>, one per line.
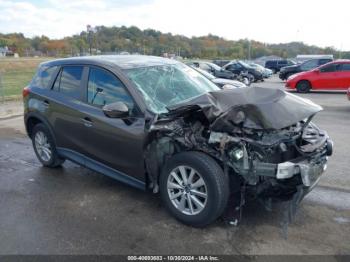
<point x="262" y="138"/>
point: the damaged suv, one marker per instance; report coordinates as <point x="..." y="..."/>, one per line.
<point x="157" y="124"/>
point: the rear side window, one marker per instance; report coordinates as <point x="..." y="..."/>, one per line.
<point x="43" y="77"/>
<point x="68" y="81"/>
<point x="105" y="88"/>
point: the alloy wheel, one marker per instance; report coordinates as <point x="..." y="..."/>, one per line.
<point x="187" y="190"/>
<point x="42" y="146"/>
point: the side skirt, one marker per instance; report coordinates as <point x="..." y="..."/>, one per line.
<point x="100" y="168"/>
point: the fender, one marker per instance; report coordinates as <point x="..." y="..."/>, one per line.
<point x="41" y="119"/>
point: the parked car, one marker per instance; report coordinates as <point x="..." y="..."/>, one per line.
<point x="287" y="71"/>
<point x="331" y="76"/>
<point x="220" y="82"/>
<point x="220" y="62"/>
<point x="212" y="69"/>
<point x="265" y="71"/>
<point x="238" y="67"/>
<point x="276" y="65"/>
<point x="157" y="124"/>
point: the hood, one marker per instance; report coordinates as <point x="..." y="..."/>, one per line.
<point x="289" y="68"/>
<point x="251" y="107"/>
<point x="224" y="81"/>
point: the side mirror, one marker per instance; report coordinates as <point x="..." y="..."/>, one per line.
<point x="116" y="110"/>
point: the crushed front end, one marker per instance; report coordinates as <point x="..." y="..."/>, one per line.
<point x="263" y="138"/>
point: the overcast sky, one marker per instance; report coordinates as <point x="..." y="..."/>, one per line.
<point x="322" y="23"/>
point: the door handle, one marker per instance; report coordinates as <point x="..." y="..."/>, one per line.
<point x="87" y="122"/>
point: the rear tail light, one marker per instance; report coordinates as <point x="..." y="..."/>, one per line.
<point x="25" y="91"/>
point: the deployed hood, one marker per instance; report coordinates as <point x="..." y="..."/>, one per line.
<point x="251" y="107"/>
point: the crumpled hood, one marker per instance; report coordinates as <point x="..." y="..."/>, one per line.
<point x="263" y="108"/>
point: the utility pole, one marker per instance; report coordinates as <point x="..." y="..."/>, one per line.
<point x="89" y="36"/>
<point x="249" y="50"/>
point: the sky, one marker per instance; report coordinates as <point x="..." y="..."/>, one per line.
<point x="322" y="23"/>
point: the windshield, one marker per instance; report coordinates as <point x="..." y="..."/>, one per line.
<point x="168" y="85"/>
<point x="245" y="64"/>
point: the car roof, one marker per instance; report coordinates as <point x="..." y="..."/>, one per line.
<point x="120" y="61"/>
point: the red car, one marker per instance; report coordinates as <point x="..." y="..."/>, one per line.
<point x="331" y="76"/>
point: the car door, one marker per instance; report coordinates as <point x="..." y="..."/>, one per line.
<point x="327" y="77"/>
<point x="65" y="105"/>
<point x="114" y="142"/>
<point x="345" y="75"/>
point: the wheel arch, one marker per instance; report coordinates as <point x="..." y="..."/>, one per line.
<point x="159" y="152"/>
<point x="32" y="119"/>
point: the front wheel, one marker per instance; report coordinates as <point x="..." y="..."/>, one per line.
<point x="303" y="86"/>
<point x="194" y="188"/>
<point x="246" y="81"/>
<point x="251" y="78"/>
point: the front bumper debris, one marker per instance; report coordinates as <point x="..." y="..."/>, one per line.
<point x="310" y="172"/>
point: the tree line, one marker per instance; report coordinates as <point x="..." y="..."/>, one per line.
<point x="152" y="42"/>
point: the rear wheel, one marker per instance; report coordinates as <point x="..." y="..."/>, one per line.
<point x="303" y="86"/>
<point x="44" y="146"/>
<point x="194" y="188"/>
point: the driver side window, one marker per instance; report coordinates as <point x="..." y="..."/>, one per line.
<point x="105" y="88"/>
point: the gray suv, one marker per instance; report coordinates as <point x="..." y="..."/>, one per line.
<point x="158" y="125"/>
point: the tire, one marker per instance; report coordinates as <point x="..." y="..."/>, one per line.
<point x="246" y="81"/>
<point x="215" y="187"/>
<point x="303" y="86"/>
<point x="251" y="78"/>
<point x="44" y="147"/>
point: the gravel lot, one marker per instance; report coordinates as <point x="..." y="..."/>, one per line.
<point x="72" y="210"/>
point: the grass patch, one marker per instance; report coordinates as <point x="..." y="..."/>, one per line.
<point x="13" y="81"/>
<point x="16" y="73"/>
